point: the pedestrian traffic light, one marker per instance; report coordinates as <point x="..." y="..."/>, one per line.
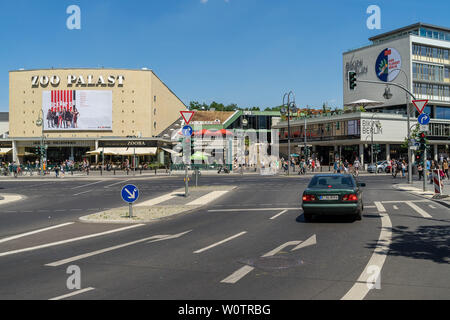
<point x="352" y="80"/>
<point x="422" y="140"/>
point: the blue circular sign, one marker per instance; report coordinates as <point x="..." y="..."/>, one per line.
<point x="424" y="119"/>
<point x="387" y="65"/>
<point x="130" y="193"/>
<point x="187" y="131"/>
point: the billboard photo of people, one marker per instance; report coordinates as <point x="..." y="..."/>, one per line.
<point x="66" y="110"/>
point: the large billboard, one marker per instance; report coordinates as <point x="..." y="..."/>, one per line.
<point x="77" y="110"/>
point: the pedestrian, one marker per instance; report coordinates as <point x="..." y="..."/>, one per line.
<point x="356" y="165"/>
<point x="445" y="168"/>
<point x="420" y="171"/>
<point x="403" y="166"/>
<point x="57" y="170"/>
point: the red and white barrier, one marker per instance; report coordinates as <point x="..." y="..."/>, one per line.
<point x="437" y="182"/>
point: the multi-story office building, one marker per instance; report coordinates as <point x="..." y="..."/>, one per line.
<point x="415" y="57"/>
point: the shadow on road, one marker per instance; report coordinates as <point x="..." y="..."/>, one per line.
<point x="327" y="219"/>
<point x="425" y="243"/>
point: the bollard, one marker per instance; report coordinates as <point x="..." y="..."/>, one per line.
<point x="114" y="171"/>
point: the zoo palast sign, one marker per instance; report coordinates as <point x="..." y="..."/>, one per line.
<point x="73" y="80"/>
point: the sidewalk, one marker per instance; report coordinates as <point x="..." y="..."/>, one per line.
<point x="417" y="189"/>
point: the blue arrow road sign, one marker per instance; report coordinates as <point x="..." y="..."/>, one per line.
<point x="187" y="131"/>
<point x="424" y="119"/>
<point x="130" y="193"/>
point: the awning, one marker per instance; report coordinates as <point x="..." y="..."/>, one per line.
<point x="5" y="150"/>
<point x="124" y="151"/>
<point x="172" y="152"/>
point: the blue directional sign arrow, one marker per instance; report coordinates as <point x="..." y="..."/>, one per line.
<point x="130" y="193"/>
<point x="424" y="119"/>
<point x="187" y="131"/>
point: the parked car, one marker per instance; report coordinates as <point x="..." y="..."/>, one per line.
<point x="372" y="168"/>
<point x="383" y="166"/>
<point x="333" y="194"/>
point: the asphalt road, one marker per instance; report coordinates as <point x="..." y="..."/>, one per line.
<point x="217" y="251"/>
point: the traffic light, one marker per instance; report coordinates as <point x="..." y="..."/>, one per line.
<point x="352" y="80"/>
<point x="422" y="141"/>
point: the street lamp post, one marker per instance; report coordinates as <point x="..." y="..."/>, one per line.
<point x="40" y="123"/>
<point x="408" y="124"/>
<point x="286" y="109"/>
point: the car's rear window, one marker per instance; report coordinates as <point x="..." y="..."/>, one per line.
<point x="331" y="182"/>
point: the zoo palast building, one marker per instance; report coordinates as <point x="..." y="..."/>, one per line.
<point x="83" y="110"/>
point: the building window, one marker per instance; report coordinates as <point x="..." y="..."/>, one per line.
<point x="154" y="98"/>
<point x="154" y="125"/>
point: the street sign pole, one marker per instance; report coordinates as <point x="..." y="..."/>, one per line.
<point x="130" y="194"/>
<point x="424" y="169"/>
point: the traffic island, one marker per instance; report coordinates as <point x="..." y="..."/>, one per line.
<point x="162" y="207"/>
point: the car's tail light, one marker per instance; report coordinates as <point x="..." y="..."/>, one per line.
<point x="309" y="197"/>
<point x="350" y="197"/>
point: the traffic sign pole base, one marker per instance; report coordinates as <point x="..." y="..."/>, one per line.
<point x="130" y="210"/>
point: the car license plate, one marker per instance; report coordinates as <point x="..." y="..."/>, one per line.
<point x="325" y="198"/>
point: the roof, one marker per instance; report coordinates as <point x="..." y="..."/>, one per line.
<point x="212" y="116"/>
<point x="4" y="116"/>
<point x="410" y="27"/>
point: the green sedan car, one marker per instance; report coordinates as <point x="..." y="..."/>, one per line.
<point x="333" y="194"/>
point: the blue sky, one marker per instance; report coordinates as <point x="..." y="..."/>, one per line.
<point x="248" y="52"/>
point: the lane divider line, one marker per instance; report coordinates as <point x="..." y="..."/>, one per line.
<point x="34" y="232"/>
<point x="89" y="184"/>
<point x="362" y="286"/>
<point x="52" y="244"/>
<point x="279" y="214"/>
<point x="73" y="294"/>
<point x="207" y="198"/>
<point x="77" y="194"/>
<point x="157" y="200"/>
<point x="221" y="242"/>
<point x="238" y="275"/>
<point x="252" y="209"/>
<point x="106" y="187"/>
<point x="419" y="210"/>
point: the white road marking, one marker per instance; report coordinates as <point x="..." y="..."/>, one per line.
<point x="369" y="207"/>
<point x="106" y="187"/>
<point x="77" y="194"/>
<point x="221" y="242"/>
<point x="155" y="201"/>
<point x="278" y="249"/>
<point x="242" y="272"/>
<point x="97" y="252"/>
<point x="207" y="198"/>
<point x="402" y="201"/>
<point x="395" y="207"/>
<point x="34" y="232"/>
<point x="257" y="209"/>
<point x="52" y="244"/>
<point x="73" y="294"/>
<point x="360" y="288"/>
<point x="419" y="210"/>
<point x="279" y="214"/>
<point x="431" y="206"/>
<point x="380" y="207"/>
<point x="308" y="242"/>
<point x="237" y="275"/>
<point x="89" y="184"/>
<point x="9" y="198"/>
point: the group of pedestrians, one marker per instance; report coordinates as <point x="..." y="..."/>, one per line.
<point x="302" y="166"/>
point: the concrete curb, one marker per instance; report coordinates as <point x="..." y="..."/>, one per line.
<point x="10" y="198"/>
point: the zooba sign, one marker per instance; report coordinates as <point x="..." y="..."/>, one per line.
<point x="73" y="80"/>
